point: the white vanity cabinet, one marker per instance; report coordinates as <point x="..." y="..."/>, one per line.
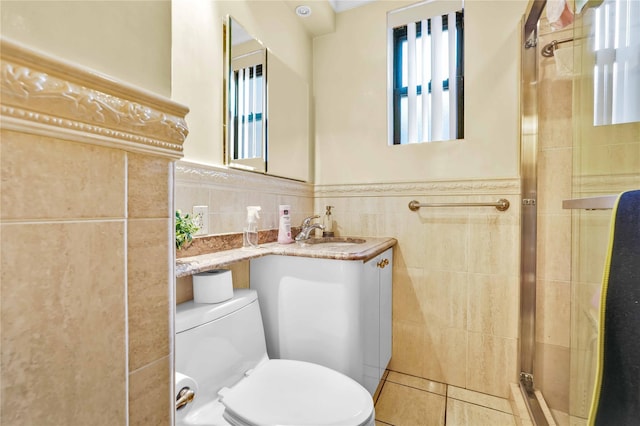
<point x="331" y="312"/>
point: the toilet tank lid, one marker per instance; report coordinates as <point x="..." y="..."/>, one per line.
<point x="190" y="314"/>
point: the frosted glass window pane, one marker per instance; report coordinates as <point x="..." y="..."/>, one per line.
<point x="405" y="75"/>
<point x="445" y="115"/>
<point x="419" y="114"/>
<point x="404" y="121"/>
<point x="444" y="64"/>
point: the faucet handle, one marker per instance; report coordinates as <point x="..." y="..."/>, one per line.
<point x="307" y="221"/>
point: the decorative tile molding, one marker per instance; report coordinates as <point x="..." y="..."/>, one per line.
<point x="47" y="96"/>
<point x="605" y="184"/>
<point x="228" y="178"/>
<point x="449" y="187"/>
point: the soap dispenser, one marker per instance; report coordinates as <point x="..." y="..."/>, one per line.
<point x="327" y="221"/>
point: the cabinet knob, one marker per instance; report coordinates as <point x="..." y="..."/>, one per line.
<point x="383" y="263"/>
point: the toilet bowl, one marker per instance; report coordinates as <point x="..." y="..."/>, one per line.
<point x="222" y="348"/>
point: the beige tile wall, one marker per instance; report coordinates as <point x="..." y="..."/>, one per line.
<point x="227" y="192"/>
<point x="85" y="287"/>
<point x="150" y="293"/>
<point x="87" y="253"/>
<point x="456" y="275"/>
<point x="63" y="321"/>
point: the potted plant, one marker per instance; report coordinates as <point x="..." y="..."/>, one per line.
<point x="185" y="228"/>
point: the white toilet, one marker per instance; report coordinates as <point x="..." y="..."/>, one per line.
<point x="222" y="347"/>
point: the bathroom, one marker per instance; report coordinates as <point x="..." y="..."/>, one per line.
<point x="456" y="282"/>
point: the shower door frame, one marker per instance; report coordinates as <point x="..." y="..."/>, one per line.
<point x="528" y="215"/>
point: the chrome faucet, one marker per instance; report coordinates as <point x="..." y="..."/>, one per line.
<point x="307" y="227"/>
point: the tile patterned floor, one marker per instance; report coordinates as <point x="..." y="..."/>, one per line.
<point x="412" y="401"/>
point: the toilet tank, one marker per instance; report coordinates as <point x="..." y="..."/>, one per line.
<point x="217" y="343"/>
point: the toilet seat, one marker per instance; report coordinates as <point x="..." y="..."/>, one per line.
<point x="288" y="392"/>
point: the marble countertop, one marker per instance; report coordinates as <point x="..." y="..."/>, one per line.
<point x="330" y="250"/>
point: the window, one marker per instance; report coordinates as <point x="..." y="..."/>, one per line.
<point x="426" y="101"/>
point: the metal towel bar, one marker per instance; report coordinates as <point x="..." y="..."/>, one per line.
<point x="501" y="205"/>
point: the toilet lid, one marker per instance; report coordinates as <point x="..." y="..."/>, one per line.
<point x="287" y="392"/>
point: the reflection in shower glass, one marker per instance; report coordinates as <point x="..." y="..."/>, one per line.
<point x="616" y="74"/>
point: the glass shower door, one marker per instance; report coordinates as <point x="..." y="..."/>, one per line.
<point x="606" y="161"/>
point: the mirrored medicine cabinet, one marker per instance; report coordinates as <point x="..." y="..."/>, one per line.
<point x="267" y="109"/>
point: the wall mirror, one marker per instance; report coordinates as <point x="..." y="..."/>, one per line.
<point x="267" y="109"/>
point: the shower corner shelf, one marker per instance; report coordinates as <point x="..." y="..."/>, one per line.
<point x="603" y="202"/>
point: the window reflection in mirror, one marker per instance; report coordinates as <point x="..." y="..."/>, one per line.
<point x="267" y="109"/>
<point x="247" y="101"/>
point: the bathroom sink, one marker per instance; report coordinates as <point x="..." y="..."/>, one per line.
<point x="335" y="241"/>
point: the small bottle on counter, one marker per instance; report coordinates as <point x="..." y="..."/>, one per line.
<point x="327" y="221"/>
<point x="250" y="232"/>
<point x="284" y="227"/>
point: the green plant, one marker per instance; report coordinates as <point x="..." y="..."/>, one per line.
<point x="185" y="228"/>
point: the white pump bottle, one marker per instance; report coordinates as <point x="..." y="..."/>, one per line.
<point x="284" y="227"/>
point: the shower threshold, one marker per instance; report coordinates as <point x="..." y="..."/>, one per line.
<point x="538" y="411"/>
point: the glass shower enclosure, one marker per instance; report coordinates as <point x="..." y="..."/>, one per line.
<point x="580" y="148"/>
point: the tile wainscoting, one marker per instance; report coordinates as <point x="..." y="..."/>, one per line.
<point x="227" y="192"/>
<point x="87" y="246"/>
<point x="455" y="276"/>
<point x="456" y="272"/>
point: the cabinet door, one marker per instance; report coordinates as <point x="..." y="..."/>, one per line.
<point x="385" y="281"/>
<point x="370" y="289"/>
<point x="376" y="299"/>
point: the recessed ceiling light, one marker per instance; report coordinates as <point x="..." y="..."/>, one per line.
<point x="303" y="11"/>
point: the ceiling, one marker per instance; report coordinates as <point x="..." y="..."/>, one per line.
<point x="322" y="19"/>
<point x="342" y="5"/>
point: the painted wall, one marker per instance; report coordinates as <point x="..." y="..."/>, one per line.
<point x="134" y="47"/>
<point x="198" y="61"/>
<point x="351" y="101"/>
